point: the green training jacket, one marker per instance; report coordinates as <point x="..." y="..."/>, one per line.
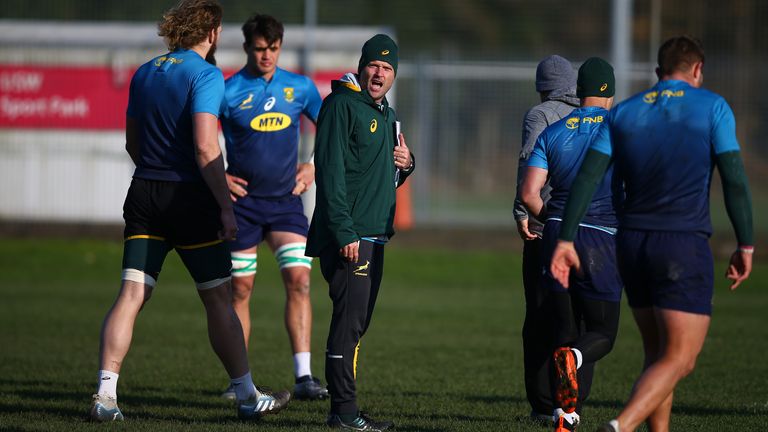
<point x="354" y="169"/>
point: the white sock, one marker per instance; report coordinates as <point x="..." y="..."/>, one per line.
<point x="301" y="364"/>
<point x="577" y="354"/>
<point x="572" y="417"/>
<point x="615" y="424"/>
<point x="108" y="384"/>
<point x="244" y="387"/>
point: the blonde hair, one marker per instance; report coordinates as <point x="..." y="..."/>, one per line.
<point x="189" y="23"/>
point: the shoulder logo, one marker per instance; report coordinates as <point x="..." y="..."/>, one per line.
<point x="374" y="125"/>
<point x="670" y="93"/>
<point x="572" y="123"/>
<point x="167" y="59"/>
<point x="270" y="122"/>
<point x="385" y="52"/>
<point x="288" y="93"/>
<point x="246" y="103"/>
<point x="270" y="103"/>
<point x="650" y="97"/>
<point x="603" y="87"/>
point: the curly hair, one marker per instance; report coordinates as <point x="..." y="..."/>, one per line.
<point x="189" y="23"/>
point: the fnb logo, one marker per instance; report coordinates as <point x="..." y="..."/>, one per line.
<point x="650" y="97"/>
<point x="572" y="123"/>
<point x="173" y="60"/>
<point x="670" y="93"/>
<point x="597" y="119"/>
<point x="270" y="122"/>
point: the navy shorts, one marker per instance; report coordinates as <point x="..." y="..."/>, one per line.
<point x="668" y="270"/>
<point x="258" y="216"/>
<point x="599" y="278"/>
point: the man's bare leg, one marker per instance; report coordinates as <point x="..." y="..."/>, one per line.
<point x="242" y="287"/>
<point x="295" y="270"/>
<point x="117" y="329"/>
<point x="681" y="336"/>
<point x="224" y="329"/>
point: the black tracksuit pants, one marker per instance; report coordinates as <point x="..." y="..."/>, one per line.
<point x="353" y="288"/>
<point x="539" y="335"/>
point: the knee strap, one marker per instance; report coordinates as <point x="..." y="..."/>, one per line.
<point x="243" y="264"/>
<point x="292" y="255"/>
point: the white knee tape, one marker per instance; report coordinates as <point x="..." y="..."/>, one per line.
<point x="292" y="255"/>
<point x="243" y="264"/>
<point x="139" y="276"/>
<point x="212" y="283"/>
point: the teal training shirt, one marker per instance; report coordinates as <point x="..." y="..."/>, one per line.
<point x="664" y="142"/>
<point x="164" y="95"/>
<point x="260" y="121"/>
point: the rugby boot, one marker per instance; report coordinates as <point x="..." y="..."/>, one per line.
<point x="567" y="393"/>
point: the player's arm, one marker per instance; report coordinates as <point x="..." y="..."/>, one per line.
<point x="738" y="204"/>
<point x="305" y="171"/>
<point x="238" y="187"/>
<point x="132" y="145"/>
<point x="132" y="139"/>
<point x="211" y="163"/>
<point x="587" y="180"/>
<point x="206" y="100"/>
<point x="738" y="201"/>
<point x="534" y="181"/>
<point x="533" y="124"/>
<point x="536" y="170"/>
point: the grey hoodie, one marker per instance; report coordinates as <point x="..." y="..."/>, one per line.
<point x="558" y="104"/>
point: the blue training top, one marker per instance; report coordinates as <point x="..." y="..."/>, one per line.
<point x="260" y="120"/>
<point x="165" y="92"/>
<point x="561" y="148"/>
<point x="664" y="142"/>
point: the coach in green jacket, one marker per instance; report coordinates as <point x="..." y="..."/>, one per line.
<point x="359" y="163"/>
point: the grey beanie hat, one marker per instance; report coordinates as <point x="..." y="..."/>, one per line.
<point x="555" y="72"/>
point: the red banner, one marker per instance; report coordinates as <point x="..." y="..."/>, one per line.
<point x="63" y="97"/>
<point x="39" y="97"/>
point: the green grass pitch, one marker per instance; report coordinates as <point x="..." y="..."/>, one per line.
<point x="443" y="352"/>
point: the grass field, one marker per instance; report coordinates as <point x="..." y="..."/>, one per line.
<point x="443" y="352"/>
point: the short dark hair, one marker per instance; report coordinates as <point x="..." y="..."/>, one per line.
<point x="679" y="53"/>
<point x="264" y="26"/>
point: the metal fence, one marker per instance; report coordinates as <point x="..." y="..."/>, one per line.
<point x="461" y="118"/>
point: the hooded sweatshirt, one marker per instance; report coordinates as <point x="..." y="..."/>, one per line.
<point x="355" y="169"/>
<point x="558" y="104"/>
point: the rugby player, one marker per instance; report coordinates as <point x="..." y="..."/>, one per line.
<point x="592" y="302"/>
<point x="178" y="199"/>
<point x="260" y="119"/>
<point x="665" y="143"/>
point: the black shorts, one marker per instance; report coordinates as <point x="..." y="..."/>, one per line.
<point x="182" y="213"/>
<point x="160" y="215"/>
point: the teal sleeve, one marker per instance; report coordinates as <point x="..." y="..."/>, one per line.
<point x="590" y="176"/>
<point x="738" y="201"/>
